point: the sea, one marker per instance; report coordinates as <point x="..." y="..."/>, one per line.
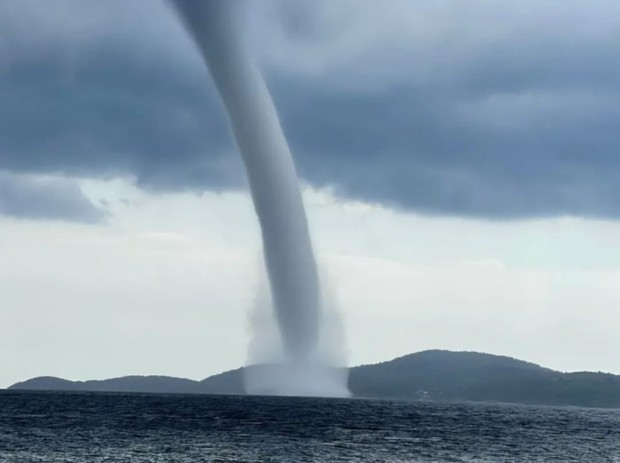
<point x="113" y="427"/>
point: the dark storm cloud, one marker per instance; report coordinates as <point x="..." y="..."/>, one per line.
<point x="113" y="120"/>
<point x="497" y="111"/>
<point x="38" y="198"/>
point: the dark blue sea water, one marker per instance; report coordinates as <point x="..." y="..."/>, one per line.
<point x="82" y="427"/>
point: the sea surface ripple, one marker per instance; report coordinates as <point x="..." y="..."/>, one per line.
<point x="101" y="427"/>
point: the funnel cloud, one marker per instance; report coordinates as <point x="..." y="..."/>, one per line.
<point x="294" y="284"/>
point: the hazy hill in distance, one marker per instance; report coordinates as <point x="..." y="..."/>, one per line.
<point x="430" y="375"/>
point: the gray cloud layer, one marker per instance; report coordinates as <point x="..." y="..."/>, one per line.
<point x="30" y="197"/>
<point x="487" y="109"/>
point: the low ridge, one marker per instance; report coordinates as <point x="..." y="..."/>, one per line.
<point x="437" y="375"/>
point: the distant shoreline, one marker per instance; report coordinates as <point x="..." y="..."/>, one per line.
<point x="434" y="376"/>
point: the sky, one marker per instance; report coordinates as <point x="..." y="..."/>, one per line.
<point x="458" y="162"/>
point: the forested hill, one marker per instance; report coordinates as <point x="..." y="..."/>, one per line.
<point x="468" y="376"/>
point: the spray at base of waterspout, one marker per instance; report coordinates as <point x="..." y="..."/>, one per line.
<point x="302" y="379"/>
